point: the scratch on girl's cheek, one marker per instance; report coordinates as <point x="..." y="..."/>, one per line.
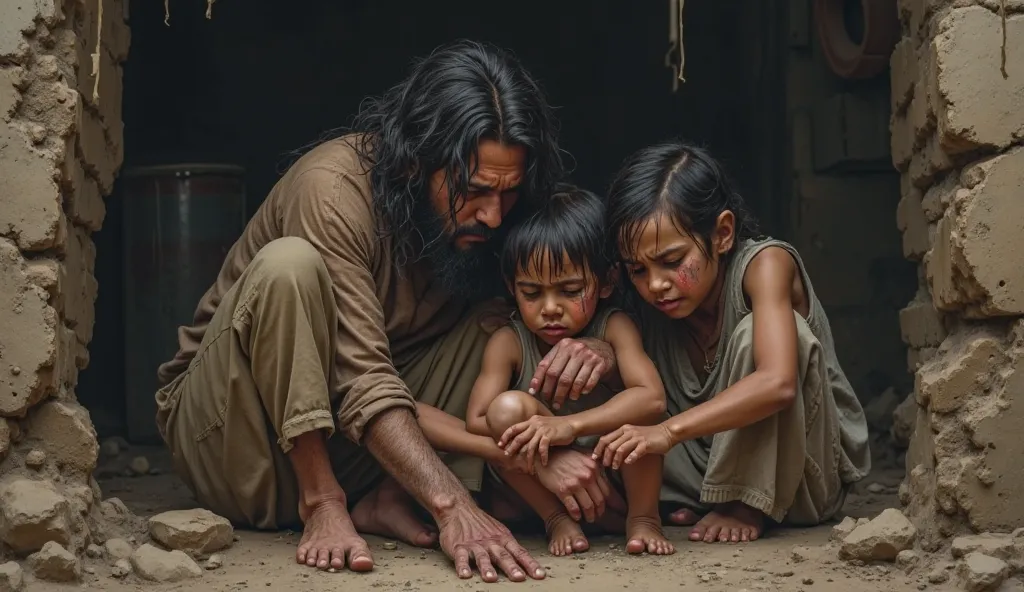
<point x="687" y="277"/>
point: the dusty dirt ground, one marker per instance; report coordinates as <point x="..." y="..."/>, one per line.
<point x="266" y="561"/>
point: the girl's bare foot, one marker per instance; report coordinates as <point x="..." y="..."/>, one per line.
<point x="565" y="536"/>
<point x="643" y="533"/>
<point x="329" y="540"/>
<point x="733" y="522"/>
<point x="387" y="511"/>
<point x="683" y="517"/>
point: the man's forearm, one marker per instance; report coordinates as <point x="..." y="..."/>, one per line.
<point x="397" y="442"/>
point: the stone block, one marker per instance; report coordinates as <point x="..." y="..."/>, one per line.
<point x="922" y="107"/>
<point x="101" y="156"/>
<point x="995" y="545"/>
<point x="921" y="325"/>
<point x="54" y="563"/>
<point x="928" y="162"/>
<point x="80" y="286"/>
<point x="911" y="220"/>
<point x="881" y="539"/>
<point x="108" y="101"/>
<point x="10" y="96"/>
<point x="970" y="266"/>
<point x="902" y="141"/>
<point x="17" y="17"/>
<point x="156" y="565"/>
<point x="980" y="107"/>
<point x="989" y="491"/>
<point x="32" y="514"/>
<point x="65" y="431"/>
<point x="903" y="73"/>
<point x="193" y="531"/>
<point x="961" y="369"/>
<point x="981" y="573"/>
<point x="30" y="201"/>
<point x="116" y="33"/>
<point x="938" y="197"/>
<point x="84" y="202"/>
<point x="29" y="340"/>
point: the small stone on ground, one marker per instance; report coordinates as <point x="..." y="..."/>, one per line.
<point x="880" y="539"/>
<point x="156" y="565"/>
<point x="121" y="568"/>
<point x="12" y="579"/>
<point x="980" y="573"/>
<point x="196" y="531"/>
<point x="214" y="562"/>
<point x="54" y="563"/>
<point x="118" y="549"/>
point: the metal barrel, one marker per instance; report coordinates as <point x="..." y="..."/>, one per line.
<point x="179" y="222"/>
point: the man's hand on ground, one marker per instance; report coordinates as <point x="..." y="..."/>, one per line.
<point x="468" y="534"/>
<point x="572" y="368"/>
<point x="578" y="481"/>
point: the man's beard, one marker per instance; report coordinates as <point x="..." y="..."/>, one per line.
<point x="473" y="273"/>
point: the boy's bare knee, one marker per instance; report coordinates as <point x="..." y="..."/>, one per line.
<point x="508" y="409"/>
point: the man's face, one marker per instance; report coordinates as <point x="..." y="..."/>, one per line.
<point x="493" y="190"/>
<point x="463" y="253"/>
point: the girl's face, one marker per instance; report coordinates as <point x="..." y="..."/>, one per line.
<point x="557" y="305"/>
<point x="670" y="270"/>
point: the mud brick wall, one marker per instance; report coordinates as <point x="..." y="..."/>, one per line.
<point x="957" y="135"/>
<point x="60" y="149"/>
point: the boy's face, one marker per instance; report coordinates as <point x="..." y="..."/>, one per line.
<point x="556" y="306"/>
<point x="669" y="269"/>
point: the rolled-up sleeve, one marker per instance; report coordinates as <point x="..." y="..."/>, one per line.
<point x="328" y="209"/>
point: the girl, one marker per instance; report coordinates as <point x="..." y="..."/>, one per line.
<point x="768" y="424"/>
<point x="556" y="265"/>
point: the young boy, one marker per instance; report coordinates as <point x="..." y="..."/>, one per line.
<point x="556" y="266"/>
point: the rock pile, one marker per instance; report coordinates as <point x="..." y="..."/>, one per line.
<point x="980" y="562"/>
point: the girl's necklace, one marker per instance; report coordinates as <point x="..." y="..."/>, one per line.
<point x="708" y="363"/>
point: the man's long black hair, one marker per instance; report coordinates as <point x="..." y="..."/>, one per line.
<point x="433" y="120"/>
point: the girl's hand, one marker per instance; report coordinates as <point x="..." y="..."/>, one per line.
<point x="629" y="443"/>
<point x="534" y="435"/>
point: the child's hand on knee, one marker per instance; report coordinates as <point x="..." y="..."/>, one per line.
<point x="630" y="443"/>
<point x="535" y="436"/>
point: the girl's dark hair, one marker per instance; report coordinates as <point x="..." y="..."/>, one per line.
<point x="570" y="223"/>
<point x="433" y="120"/>
<point x="678" y="179"/>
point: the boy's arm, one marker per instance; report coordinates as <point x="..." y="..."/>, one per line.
<point x="501" y="355"/>
<point x="448" y="433"/>
<point x="642" y="401"/>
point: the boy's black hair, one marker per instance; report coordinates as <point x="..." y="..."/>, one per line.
<point x="570" y="222"/>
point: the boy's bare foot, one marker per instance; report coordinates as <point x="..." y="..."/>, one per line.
<point x="733" y="522"/>
<point x="683" y="517"/>
<point x="565" y="536"/>
<point x="329" y="538"/>
<point x="387" y="511"/>
<point x="643" y="533"/>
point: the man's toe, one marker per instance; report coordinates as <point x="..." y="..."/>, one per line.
<point x="359" y="558"/>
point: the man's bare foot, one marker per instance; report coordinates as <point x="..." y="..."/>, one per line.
<point x="565" y="536"/>
<point x="733" y="522"/>
<point x="387" y="511"/>
<point x="329" y="537"/>
<point x="643" y="533"/>
<point x="683" y="517"/>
